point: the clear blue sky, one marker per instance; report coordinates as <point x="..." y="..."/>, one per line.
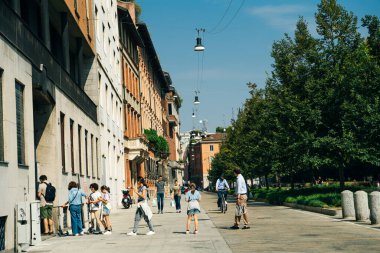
<point x="234" y="57"/>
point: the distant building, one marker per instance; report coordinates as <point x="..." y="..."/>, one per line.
<point x="175" y="164"/>
<point x="202" y="154"/>
<point x="135" y="143"/>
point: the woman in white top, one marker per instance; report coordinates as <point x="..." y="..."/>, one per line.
<point x="193" y="197"/>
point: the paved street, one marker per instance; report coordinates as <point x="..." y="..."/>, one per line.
<point x="170" y="236"/>
<point x="274" y="229"/>
<point x="282" y="229"/>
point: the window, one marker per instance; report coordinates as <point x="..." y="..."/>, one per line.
<point x="170" y="109"/>
<point x="72" y="145"/>
<point x="112" y="111"/>
<point x="1" y="118"/>
<point x="86" y="150"/>
<point x="92" y="156"/>
<point x="97" y="158"/>
<point x="62" y="124"/>
<point x="80" y="149"/>
<point x="211" y="147"/>
<point x="20" y="123"/>
<point x="171" y="132"/>
<point x="3" y="222"/>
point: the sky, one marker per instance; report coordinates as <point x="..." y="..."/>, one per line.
<point x="238" y="48"/>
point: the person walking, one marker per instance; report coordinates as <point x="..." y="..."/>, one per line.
<point x="95" y="202"/>
<point x="241" y="201"/>
<point x="46" y="209"/>
<point x="106" y="201"/>
<point x="221" y="188"/>
<point x="75" y="206"/>
<point x="177" y="196"/>
<point x="160" y="185"/>
<point x="193" y="197"/>
<point x="143" y="210"/>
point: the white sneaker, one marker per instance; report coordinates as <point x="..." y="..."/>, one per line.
<point x="132" y="233"/>
<point x="150" y="233"/>
<point x="107" y="233"/>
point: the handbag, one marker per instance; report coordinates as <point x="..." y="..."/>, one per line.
<point x="172" y="203"/>
<point x="154" y="202"/>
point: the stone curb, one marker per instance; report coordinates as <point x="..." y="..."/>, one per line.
<point x="321" y="210"/>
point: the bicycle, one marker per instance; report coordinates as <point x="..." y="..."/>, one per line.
<point x="223" y="204"/>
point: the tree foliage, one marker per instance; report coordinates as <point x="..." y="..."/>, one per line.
<point x="158" y="144"/>
<point x="320" y="107"/>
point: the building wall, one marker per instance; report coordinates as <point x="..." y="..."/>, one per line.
<point x="207" y="156"/>
<point x="83" y="16"/>
<point x="151" y="107"/>
<point x="109" y="97"/>
<point x="65" y="161"/>
<point x="17" y="183"/>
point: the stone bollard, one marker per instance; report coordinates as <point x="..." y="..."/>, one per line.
<point x="348" y="207"/>
<point x="361" y="205"/>
<point x="374" y="206"/>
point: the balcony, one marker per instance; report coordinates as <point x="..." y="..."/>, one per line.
<point x="137" y="149"/>
<point x="14" y="30"/>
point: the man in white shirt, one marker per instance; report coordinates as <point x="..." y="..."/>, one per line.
<point x="241" y="201"/>
<point x="221" y="188"/>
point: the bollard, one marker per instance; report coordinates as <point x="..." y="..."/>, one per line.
<point x="361" y="205"/>
<point x="348" y="207"/>
<point x="374" y="206"/>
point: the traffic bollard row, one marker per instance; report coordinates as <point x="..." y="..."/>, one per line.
<point x="357" y="205"/>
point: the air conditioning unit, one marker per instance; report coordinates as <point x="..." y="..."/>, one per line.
<point x="23" y="225"/>
<point x="35" y="223"/>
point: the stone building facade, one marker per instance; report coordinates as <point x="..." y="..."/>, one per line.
<point x="202" y="154"/>
<point x="80" y="81"/>
<point x="52" y="119"/>
<point x="107" y="93"/>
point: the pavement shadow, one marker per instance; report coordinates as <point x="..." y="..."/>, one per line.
<point x="180" y="233"/>
<point x="203" y="219"/>
<point x="213" y="211"/>
<point x="225" y="228"/>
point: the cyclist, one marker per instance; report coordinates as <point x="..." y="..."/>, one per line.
<point x="221" y="188"/>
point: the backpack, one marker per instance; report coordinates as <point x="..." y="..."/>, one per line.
<point x="50" y="193"/>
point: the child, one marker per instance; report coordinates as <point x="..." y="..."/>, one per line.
<point x="106" y="198"/>
<point x="193" y="197"/>
<point x="94" y="200"/>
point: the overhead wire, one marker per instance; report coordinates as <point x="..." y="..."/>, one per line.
<point x="221" y="19"/>
<point x="231" y="20"/>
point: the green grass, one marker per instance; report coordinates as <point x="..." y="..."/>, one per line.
<point x="317" y="196"/>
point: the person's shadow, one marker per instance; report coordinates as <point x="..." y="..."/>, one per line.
<point x="179" y="233"/>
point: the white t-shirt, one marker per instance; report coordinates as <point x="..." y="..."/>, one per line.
<point x="95" y="196"/>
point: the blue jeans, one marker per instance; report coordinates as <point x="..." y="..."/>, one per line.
<point x="220" y="193"/>
<point x="76" y="219"/>
<point x="177" y="200"/>
<point x="160" y="201"/>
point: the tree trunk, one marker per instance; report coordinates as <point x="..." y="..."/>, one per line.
<point x="266" y="181"/>
<point x="341" y="177"/>
<point x="292" y="182"/>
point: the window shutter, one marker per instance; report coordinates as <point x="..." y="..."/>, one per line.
<point x="20" y="123"/>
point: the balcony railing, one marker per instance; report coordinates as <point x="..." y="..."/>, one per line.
<point x="13" y="29"/>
